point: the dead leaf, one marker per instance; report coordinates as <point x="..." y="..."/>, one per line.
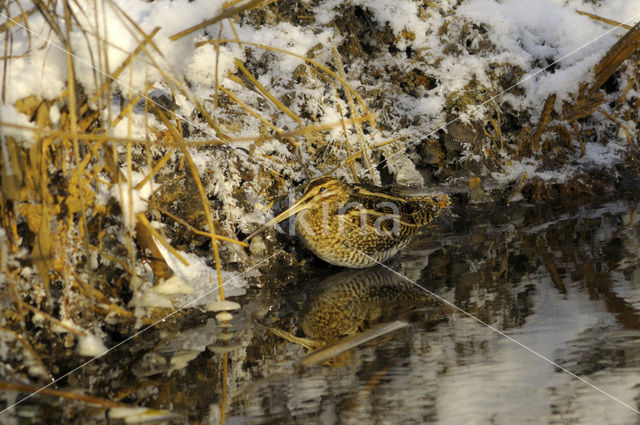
<point x="28" y="105"/>
<point x="545" y="117"/>
<point x="33" y="214"/>
<point x="81" y="194"/>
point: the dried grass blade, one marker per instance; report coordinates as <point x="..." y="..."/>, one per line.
<point x="617" y="54"/>
<point x="225" y="14"/>
<point x="349" y="342"/>
<point x="583" y="149"/>
<point x="197" y="231"/>
<point x="12" y="22"/>
<point x="266" y="92"/>
<point x="312" y="62"/>
<point x="155" y="169"/>
<point x="251" y="111"/>
<point x="71" y="85"/>
<point x="145" y="238"/>
<point x="605" y="20"/>
<point x="50" y="318"/>
<point x="354" y="114"/>
<point x="298" y="132"/>
<point x="116" y="260"/>
<point x="42" y="132"/>
<point x="347" y="145"/>
<point x="545" y="117"/>
<point x="14" y="386"/>
<point x="551" y="267"/>
<point x="115" y="74"/>
<point x="142" y="219"/>
<point x="203" y="197"/>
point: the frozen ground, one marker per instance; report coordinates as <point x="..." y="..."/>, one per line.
<point x="458" y="60"/>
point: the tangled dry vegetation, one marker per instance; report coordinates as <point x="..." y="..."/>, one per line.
<point x="73" y="255"/>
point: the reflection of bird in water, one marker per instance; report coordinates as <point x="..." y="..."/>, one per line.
<point x="356" y="225"/>
<point x="352" y="300"/>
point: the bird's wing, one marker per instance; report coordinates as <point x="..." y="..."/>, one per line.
<point x="381" y="209"/>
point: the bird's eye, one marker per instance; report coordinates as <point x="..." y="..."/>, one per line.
<point x="322" y="189"/>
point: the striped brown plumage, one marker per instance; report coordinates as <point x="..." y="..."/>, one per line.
<point x="358" y="225"/>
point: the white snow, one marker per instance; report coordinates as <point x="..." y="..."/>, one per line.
<point x="537" y="33"/>
<point x="134" y="203"/>
<point x="10" y="114"/>
<point x="601" y="155"/>
<point x="173" y="285"/>
<point x="90" y="346"/>
<point x="191" y="286"/>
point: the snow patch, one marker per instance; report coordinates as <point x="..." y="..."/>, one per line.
<point x="131" y="205"/>
<point x="90" y="346"/>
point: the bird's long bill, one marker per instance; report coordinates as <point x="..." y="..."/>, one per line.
<point x="294" y="209"/>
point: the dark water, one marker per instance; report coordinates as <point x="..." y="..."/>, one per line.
<point x="563" y="283"/>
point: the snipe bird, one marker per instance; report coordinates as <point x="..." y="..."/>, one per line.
<point x="352" y="300"/>
<point x="357" y="225"/>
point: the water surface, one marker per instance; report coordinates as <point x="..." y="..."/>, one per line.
<point x="562" y="281"/>
<point x="564" y="284"/>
